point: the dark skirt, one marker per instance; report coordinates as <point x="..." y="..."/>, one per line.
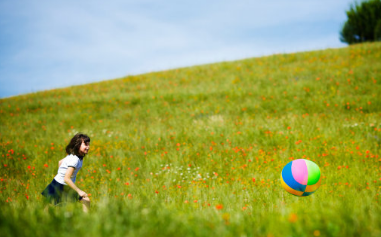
<point x="56" y="193"/>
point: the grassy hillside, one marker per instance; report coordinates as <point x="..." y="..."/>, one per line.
<point x="198" y="151"/>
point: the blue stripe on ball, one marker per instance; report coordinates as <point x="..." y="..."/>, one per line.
<point x="289" y="179"/>
<point x="307" y="194"/>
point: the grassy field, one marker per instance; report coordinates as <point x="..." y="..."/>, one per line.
<point x="198" y="151"/>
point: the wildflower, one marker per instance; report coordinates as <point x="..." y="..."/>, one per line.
<point x="219" y="206"/>
<point x="226" y="217"/>
<point x="292" y="218"/>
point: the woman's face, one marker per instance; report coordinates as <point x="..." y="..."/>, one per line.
<point x="84" y="148"/>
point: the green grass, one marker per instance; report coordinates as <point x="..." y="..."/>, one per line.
<point x="198" y="151"/>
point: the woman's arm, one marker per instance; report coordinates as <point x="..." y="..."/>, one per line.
<point x="60" y="162"/>
<point x="69" y="182"/>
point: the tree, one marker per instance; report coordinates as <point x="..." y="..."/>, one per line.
<point x="363" y="23"/>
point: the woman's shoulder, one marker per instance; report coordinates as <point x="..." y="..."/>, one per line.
<point x="72" y="161"/>
<point x="71" y="157"/>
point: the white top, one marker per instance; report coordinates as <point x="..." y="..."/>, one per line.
<point x="68" y="161"/>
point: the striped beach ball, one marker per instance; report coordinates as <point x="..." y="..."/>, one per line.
<point x="300" y="177"/>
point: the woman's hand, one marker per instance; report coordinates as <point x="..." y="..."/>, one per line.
<point x="82" y="193"/>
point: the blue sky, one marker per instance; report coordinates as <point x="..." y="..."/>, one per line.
<point x="49" y="44"/>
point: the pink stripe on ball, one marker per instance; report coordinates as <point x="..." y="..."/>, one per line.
<point x="299" y="171"/>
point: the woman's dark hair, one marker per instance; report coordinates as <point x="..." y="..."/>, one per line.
<point x="75" y="143"/>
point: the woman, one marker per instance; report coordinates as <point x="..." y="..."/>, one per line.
<point x="63" y="188"/>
